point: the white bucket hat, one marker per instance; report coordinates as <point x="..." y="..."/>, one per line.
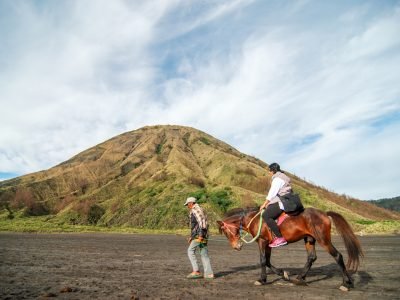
<point x="190" y="200"/>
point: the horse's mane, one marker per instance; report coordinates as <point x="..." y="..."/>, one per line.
<point x="237" y="213"/>
<point x="240" y="211"/>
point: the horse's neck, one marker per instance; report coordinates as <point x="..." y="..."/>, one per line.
<point x="251" y="219"/>
<point x="244" y="221"/>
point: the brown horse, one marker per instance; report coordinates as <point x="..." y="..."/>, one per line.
<point x="311" y="225"/>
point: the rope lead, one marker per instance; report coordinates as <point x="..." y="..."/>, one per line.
<point x="259" y="228"/>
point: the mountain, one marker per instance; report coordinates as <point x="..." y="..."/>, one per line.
<point x="388" y="203"/>
<point x="141" y="178"/>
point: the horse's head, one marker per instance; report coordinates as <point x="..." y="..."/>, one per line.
<point x="232" y="232"/>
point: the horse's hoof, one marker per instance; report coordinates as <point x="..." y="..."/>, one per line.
<point x="344" y="288"/>
<point x="258" y="282"/>
<point x="286" y="275"/>
<point x="299" y="282"/>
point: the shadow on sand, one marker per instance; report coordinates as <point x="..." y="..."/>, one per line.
<point x="362" y="278"/>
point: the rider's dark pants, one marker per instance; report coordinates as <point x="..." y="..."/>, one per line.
<point x="272" y="212"/>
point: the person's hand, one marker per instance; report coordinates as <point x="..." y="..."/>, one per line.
<point x="200" y="239"/>
<point x="189" y="239"/>
<point x="264" y="205"/>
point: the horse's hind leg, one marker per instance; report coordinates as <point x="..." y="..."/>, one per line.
<point x="347" y="281"/>
<point x="311" y="258"/>
<point x="277" y="271"/>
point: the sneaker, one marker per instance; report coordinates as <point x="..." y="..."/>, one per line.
<point x="210" y="276"/>
<point x="194" y="275"/>
<point x="278" y="242"/>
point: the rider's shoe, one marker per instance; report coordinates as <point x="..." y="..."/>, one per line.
<point x="278" y="242"/>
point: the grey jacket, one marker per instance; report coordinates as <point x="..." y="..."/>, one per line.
<point x="277" y="189"/>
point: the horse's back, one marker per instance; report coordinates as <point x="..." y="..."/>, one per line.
<point x="297" y="227"/>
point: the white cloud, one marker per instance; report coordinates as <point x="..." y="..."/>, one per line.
<point x="380" y="36"/>
<point x="78" y="80"/>
<point x="362" y="159"/>
<point x="192" y="15"/>
<point x="298" y="92"/>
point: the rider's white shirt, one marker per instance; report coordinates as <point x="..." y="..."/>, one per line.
<point x="276" y="185"/>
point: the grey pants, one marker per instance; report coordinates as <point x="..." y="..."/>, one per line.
<point x="205" y="259"/>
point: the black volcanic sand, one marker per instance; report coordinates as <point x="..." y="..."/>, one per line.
<point x="130" y="266"/>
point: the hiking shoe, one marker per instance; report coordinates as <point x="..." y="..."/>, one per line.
<point x="194" y="275"/>
<point x="278" y="242"/>
<point x="210" y="276"/>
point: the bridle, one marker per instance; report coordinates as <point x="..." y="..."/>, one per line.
<point x="240" y="228"/>
<point x="227" y="225"/>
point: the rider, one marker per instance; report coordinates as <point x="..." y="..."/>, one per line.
<point x="280" y="186"/>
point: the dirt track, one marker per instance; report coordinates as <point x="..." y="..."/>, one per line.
<point x="122" y="266"/>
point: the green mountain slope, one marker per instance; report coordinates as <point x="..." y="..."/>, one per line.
<point x="141" y="179"/>
<point x="388" y="203"/>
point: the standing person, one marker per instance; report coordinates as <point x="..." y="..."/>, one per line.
<point x="280" y="186"/>
<point x="198" y="240"/>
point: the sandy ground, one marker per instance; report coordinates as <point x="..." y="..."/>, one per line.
<point x="128" y="266"/>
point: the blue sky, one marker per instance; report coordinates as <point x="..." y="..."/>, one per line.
<point x="313" y="85"/>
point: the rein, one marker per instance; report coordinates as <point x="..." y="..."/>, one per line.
<point x="242" y="237"/>
<point x="259" y="228"/>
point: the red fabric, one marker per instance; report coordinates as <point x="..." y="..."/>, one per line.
<point x="282" y="218"/>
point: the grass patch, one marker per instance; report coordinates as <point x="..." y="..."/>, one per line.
<point x="205" y="141"/>
<point x="219" y="198"/>
<point x="378" y="227"/>
<point x="50" y="224"/>
<point x="159" y="148"/>
<point x="365" y="222"/>
<point x="44" y="225"/>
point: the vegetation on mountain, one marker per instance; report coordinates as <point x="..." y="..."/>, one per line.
<point x="388" y="203"/>
<point x="141" y="178"/>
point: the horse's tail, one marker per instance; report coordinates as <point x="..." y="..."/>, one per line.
<point x="351" y="242"/>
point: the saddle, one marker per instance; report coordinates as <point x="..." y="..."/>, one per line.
<point x="283" y="216"/>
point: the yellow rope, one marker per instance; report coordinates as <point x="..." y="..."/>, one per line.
<point x="259" y="228"/>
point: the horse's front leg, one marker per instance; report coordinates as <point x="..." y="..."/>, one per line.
<point x="262" y="246"/>
<point x="265" y="261"/>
